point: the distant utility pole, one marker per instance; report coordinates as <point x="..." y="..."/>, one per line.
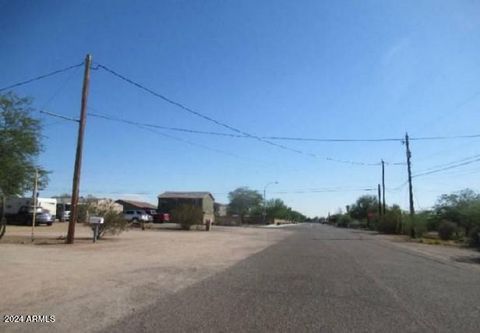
<point x="379" y="202"/>
<point x="410" y="188"/>
<point x="383" y="187"/>
<point x="78" y="156"/>
<point x="265" y="200"/>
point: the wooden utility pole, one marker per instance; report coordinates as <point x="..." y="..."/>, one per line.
<point x="78" y="156"/>
<point x="383" y="187"/>
<point x="379" y="202"/>
<point x="410" y="188"/>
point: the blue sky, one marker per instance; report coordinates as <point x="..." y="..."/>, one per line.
<point x="325" y="69"/>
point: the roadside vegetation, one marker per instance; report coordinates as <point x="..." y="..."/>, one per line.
<point x="187" y="216"/>
<point x="454" y="218"/>
<point x="20" y="146"/>
<point x="248" y="205"/>
<point x="114" y="222"/>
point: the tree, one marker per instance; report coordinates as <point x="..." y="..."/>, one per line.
<point x="244" y="201"/>
<point x="462" y="208"/>
<point x="363" y="206"/>
<point x="276" y="209"/>
<point x="20" y="145"/>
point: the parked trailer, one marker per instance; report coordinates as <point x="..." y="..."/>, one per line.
<point x="13" y="204"/>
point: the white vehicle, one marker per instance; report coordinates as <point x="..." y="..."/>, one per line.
<point x="136" y="216"/>
<point x="13" y="204"/>
<point x="63" y="211"/>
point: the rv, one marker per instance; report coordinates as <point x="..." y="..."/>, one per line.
<point x="13" y="204"/>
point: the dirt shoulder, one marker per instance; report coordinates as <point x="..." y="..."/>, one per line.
<point x="455" y="254"/>
<point x="92" y="285"/>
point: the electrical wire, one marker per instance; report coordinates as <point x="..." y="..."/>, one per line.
<point x="446" y="168"/>
<point x="196" y="113"/>
<point x="453" y="162"/>
<point x="431" y="138"/>
<point x="287" y="138"/>
<point x="324" y="191"/>
<point x="40" y="77"/>
<point x="177" y="129"/>
<point x="59" y="116"/>
<point x="186" y="130"/>
<point x="241" y="132"/>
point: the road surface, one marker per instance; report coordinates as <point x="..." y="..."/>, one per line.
<point x="323" y="279"/>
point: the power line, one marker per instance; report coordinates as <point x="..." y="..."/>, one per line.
<point x="287" y="138"/>
<point x="441" y="167"/>
<point x="196" y="113"/>
<point x="266" y="140"/>
<point x="431" y="138"/>
<point x="153" y="126"/>
<point x="324" y="191"/>
<point x="58" y="116"/>
<point x="450" y="163"/>
<point x="40" y="77"/>
<point x="427" y="138"/>
<point x="190" y="143"/>
<point x="447" y="168"/>
<point x="186" y="130"/>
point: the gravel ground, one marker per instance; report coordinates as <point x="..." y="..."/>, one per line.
<point x="89" y="286"/>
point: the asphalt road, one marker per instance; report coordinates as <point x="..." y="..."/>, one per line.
<point x="323" y="279"/>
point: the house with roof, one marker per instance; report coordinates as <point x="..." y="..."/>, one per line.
<point x="135" y="205"/>
<point x="169" y="200"/>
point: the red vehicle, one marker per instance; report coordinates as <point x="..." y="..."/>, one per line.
<point x="159" y="217"/>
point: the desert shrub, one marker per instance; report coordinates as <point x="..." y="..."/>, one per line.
<point x="343" y="221"/>
<point x="83" y="211"/>
<point x="332" y="219"/>
<point x="355" y="224"/>
<point x="474" y="236"/>
<point x="433" y="223"/>
<point x="113" y="224"/>
<point x="446" y="229"/>
<point x="113" y="221"/>
<point x="187" y="216"/>
<point x="421" y="222"/>
<point x="386" y="225"/>
<point x="391" y="222"/>
<point x="418" y="222"/>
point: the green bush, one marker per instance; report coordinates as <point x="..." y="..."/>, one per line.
<point x="343" y="221"/>
<point x="474" y="236"/>
<point x="83" y="211"/>
<point x="446" y="229"/>
<point x="113" y="224"/>
<point x="390" y="223"/>
<point x="187" y="216"/>
<point x="355" y="224"/>
<point x="113" y="221"/>
<point x="387" y="226"/>
<point x="419" y="223"/>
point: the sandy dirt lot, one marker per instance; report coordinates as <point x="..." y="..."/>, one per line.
<point x="88" y="286"/>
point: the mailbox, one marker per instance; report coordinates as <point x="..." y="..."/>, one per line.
<point x="95" y="220"/>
